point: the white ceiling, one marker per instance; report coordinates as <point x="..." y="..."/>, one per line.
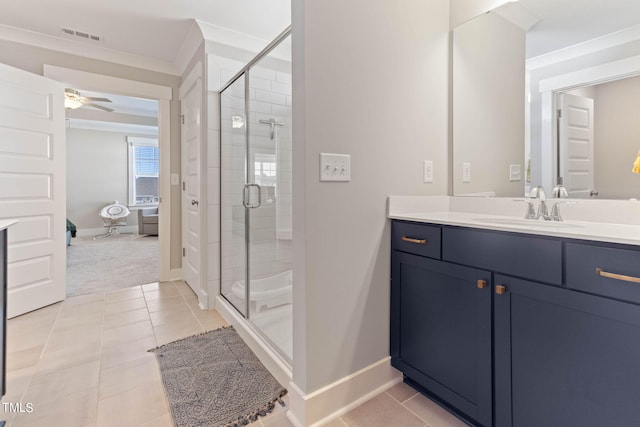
<point x="149" y="28"/>
<point x="567" y="22"/>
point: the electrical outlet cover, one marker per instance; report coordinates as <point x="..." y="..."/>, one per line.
<point x="428" y="171"/>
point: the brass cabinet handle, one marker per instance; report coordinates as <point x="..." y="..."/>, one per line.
<point x="501" y="289"/>
<point x="418" y="241"/>
<point x="622" y="277"/>
<point x="482" y="284"/>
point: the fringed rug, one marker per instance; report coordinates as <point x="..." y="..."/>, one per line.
<point x="214" y="379"/>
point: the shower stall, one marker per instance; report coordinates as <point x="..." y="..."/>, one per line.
<point x="256" y="194"/>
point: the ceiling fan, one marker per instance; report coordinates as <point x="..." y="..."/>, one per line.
<point x="73" y="100"/>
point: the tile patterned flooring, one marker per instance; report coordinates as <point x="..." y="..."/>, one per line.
<point x="84" y="363"/>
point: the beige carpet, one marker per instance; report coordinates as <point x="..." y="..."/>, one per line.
<point x="112" y="263"/>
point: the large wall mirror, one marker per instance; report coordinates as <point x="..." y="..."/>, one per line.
<point x="515" y="67"/>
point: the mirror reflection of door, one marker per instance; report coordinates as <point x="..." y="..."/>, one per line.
<point x="576" y="134"/>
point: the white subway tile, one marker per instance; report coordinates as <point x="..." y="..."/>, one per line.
<point x="262" y="72"/>
<point x="270" y="97"/>
<point x="259" y="83"/>
<point x="282" y="88"/>
<point x="260" y="107"/>
<point x="283" y="77"/>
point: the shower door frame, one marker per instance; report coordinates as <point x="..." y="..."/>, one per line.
<point x="245" y="73"/>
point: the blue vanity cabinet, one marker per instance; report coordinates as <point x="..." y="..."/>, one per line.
<point x="441" y="324"/>
<point x="564" y="358"/>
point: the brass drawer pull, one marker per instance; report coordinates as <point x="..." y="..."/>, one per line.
<point x="622" y="277"/>
<point x="417" y="241"/>
<point x="501" y="289"/>
<point x="481" y="284"/>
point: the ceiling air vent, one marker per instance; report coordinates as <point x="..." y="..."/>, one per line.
<point x="80" y="35"/>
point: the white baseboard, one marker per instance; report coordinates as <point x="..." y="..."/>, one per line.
<point x="265" y="353"/>
<point x="175" y="274"/>
<point x="336" y="399"/>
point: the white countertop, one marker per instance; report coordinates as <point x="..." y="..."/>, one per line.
<point x="482" y="214"/>
<point x="5" y="224"/>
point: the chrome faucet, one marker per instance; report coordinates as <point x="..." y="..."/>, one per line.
<point x="560" y="190"/>
<point x="538" y="193"/>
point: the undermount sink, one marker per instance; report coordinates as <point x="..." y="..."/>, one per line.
<point x="528" y="222"/>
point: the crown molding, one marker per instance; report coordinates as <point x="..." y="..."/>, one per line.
<point x="225" y="36"/>
<point x="59" y="44"/>
<point x="189" y="48"/>
<point x="585" y="48"/>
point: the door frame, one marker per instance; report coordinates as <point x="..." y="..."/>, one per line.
<point x="162" y="94"/>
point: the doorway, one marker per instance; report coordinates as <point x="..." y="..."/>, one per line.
<point x="162" y="95"/>
<point x="112" y="191"/>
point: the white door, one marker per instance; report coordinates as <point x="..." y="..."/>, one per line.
<point x="191" y="236"/>
<point x="32" y="188"/>
<point x="576" y="145"/>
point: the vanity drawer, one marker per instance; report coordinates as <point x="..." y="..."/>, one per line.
<point x="418" y="239"/>
<point x="527" y="257"/>
<point x="610" y="272"/>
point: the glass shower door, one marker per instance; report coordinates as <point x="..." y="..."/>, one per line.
<point x="270" y="172"/>
<point x="233" y="151"/>
<point x="256" y="195"/>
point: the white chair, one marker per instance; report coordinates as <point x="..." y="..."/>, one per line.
<point x="114" y="216"/>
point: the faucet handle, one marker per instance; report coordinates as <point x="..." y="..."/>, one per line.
<point x="555" y="210"/>
<point x="537" y="192"/>
<point x="531" y="211"/>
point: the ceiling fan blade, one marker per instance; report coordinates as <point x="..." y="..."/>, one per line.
<point x="91" y="98"/>
<point x="99" y="107"/>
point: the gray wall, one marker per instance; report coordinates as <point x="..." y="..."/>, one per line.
<point x="488" y="100"/>
<point x="370" y="79"/>
<point x="617" y="138"/>
<point x="97" y="171"/>
<point x="32" y="59"/>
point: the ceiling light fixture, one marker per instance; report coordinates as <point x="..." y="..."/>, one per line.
<point x="72" y="99"/>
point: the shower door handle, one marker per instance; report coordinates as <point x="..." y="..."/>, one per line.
<point x="246" y="192"/>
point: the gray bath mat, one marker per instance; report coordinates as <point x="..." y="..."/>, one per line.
<point x="214" y="379"/>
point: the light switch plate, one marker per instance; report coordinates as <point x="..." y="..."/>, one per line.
<point x="515" y="173"/>
<point x="175" y="179"/>
<point x="466" y="172"/>
<point x="335" y="167"/>
<point x="428" y="171"/>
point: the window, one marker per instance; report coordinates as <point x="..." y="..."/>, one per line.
<point x="144" y="167"/>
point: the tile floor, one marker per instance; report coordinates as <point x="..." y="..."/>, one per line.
<point x="84" y="362"/>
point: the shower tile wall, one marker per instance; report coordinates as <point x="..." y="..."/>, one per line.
<point x="270" y="98"/>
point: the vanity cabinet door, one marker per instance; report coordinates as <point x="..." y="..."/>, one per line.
<point x="564" y="358"/>
<point x="441" y="331"/>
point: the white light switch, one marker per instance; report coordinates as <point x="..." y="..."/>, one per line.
<point x="466" y="172"/>
<point x="335" y="167"/>
<point x="515" y="173"/>
<point x="428" y="171"/>
<point x="175" y="179"/>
